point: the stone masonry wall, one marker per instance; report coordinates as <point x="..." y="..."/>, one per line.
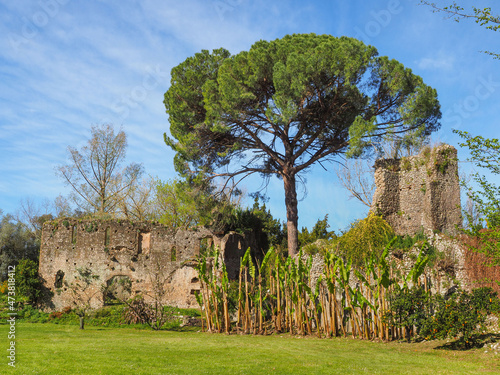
<point x="419" y="192"/>
<point x="135" y="256"/>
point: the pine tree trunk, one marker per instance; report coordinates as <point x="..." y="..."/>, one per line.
<point x="292" y="216"/>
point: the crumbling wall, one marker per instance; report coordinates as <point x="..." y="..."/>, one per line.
<point x="134" y="257"/>
<point x="419" y="192"/>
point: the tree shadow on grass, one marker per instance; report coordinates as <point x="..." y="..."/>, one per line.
<point x="184" y="329"/>
<point x="478" y="342"/>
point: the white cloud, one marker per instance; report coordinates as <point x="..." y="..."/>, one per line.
<point x="439" y="62"/>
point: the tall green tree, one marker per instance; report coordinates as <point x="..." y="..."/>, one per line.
<point x="319" y="232"/>
<point x="285" y="105"/>
<point x="182" y="205"/>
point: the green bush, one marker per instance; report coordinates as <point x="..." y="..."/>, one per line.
<point x="462" y="315"/>
<point x="320" y="246"/>
<point x="29" y="314"/>
<point x="409" y="307"/>
<point x="407" y="242"/>
<point x="319" y="232"/>
<point x="371" y="234"/>
<point x="268" y="230"/>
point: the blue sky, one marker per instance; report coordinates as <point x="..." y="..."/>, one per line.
<point x="66" y="65"/>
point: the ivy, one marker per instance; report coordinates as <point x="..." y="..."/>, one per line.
<point x="91" y="227"/>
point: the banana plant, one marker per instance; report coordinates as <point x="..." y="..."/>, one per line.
<point x="343" y="279"/>
<point x="201" y="267"/>
<point x="225" y="290"/>
<point x="262" y="268"/>
<point x="418" y="268"/>
<point x="330" y="271"/>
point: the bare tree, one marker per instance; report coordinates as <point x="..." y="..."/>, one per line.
<point x="62" y="208"/>
<point x="357" y="177"/>
<point x="472" y="215"/>
<point x="94" y="173"/>
<point x="395" y="147"/>
<point x="33" y="215"/>
<point x="138" y="204"/>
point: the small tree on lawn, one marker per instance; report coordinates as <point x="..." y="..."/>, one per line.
<point x="85" y="289"/>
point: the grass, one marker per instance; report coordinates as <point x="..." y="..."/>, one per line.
<point x="64" y="349"/>
<point x="107" y="316"/>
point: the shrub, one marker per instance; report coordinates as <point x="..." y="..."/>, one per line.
<point x="30" y="314"/>
<point x="139" y="311"/>
<point x="55" y="315"/>
<point x="407" y="242"/>
<point x="66" y="310"/>
<point x="3" y="287"/>
<point x="371" y="234"/>
<point x="319" y="246"/>
<point x="409" y="307"/>
<point x="319" y="232"/>
<point x="461" y="315"/>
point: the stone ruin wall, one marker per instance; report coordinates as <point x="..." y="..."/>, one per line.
<point x="133" y="254"/>
<point x="419" y="192"/>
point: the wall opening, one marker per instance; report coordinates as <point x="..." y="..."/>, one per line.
<point x="206" y="245"/>
<point x="73" y="235"/>
<point x="107" y="236"/>
<point x="194" y="280"/>
<point x="58" y="283"/>
<point x="144" y="242"/>
<point x="173" y="254"/>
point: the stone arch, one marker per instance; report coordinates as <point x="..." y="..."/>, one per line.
<point x="118" y="288"/>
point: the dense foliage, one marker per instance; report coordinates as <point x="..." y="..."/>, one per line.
<point x="28" y="283"/>
<point x="319" y="232"/>
<point x="269" y="231"/>
<point x="461" y="315"/>
<point x="409" y="308"/>
<point x="369" y="235"/>
<point x="278" y="295"/>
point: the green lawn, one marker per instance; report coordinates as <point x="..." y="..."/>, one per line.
<point x="64" y="349"/>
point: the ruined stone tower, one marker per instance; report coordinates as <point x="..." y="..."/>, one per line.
<point x="419" y="192"/>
